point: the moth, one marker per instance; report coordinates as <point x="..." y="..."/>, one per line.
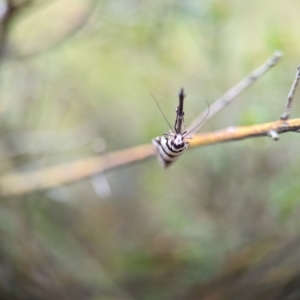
<point x="171" y="145"/>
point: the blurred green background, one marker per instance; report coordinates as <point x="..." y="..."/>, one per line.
<point x="76" y="78"/>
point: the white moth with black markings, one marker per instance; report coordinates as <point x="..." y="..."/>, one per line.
<point x="171" y="145"/>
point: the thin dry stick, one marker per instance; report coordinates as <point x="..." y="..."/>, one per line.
<point x="239" y="133"/>
<point x="19" y="183"/>
<point x="24" y="182"/>
<point x="231" y="94"/>
<point x="286" y="113"/>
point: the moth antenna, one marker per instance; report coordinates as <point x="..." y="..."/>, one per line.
<point x="168" y="134"/>
<point x="208" y="109"/>
<point x="162" y="113"/>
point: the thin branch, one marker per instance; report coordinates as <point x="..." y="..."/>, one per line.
<point x="231" y="94"/>
<point x="24" y="182"/>
<point x="239" y="133"/>
<point x="286" y="113"/>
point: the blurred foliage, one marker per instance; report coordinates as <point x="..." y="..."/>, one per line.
<point x="222" y="223"/>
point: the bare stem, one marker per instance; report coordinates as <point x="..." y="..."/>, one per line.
<point x="286" y="113"/>
<point x="232" y="93"/>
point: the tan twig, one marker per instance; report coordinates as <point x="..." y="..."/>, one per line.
<point x="231" y="94"/>
<point x="239" y="133"/>
<point x="24" y="182"/>
<point x="286" y="113"/>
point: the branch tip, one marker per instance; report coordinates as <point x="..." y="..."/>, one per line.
<point x="286" y="114"/>
<point x="273" y="134"/>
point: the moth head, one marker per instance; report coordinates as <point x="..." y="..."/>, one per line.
<point x="178" y="141"/>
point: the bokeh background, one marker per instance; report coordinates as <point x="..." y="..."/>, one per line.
<point x="76" y="78"/>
